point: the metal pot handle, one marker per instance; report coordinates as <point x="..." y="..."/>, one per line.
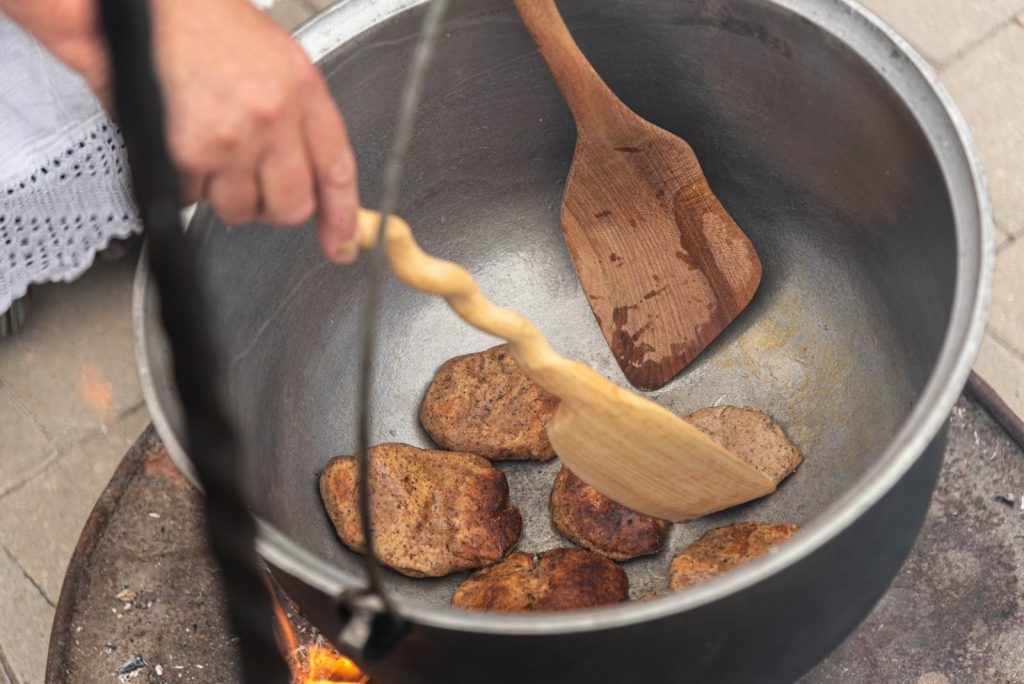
<point x="372" y="626"/>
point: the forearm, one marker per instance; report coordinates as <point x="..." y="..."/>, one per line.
<point x="67" y="29"/>
<point x="57" y="24"/>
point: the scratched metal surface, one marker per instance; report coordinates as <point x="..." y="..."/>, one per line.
<point x="835" y="346"/>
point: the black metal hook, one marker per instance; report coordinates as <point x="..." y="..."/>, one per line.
<point x="210" y="437"/>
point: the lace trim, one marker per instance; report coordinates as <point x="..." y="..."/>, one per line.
<point x="56" y="218"/>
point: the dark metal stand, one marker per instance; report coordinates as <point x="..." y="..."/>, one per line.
<point x="953" y="610"/>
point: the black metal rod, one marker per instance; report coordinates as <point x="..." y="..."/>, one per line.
<point x="378" y="263"/>
<point x="211" y="440"/>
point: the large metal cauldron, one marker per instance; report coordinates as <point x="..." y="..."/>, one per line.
<point x="829" y="143"/>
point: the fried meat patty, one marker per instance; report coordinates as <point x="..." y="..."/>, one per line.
<point x="722" y="549"/>
<point x="583" y="515"/>
<point x="484" y="404"/>
<point x="752" y="436"/>
<point x="559" y="579"/>
<point x="434" y="512"/>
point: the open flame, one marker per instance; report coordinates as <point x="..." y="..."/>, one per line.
<point x="325" y="665"/>
<point x="313" y="663"/>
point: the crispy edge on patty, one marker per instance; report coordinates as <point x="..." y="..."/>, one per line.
<point x="434" y="512"/>
<point x="724" y="548"/>
<point x="559" y="579"/>
<point x="585" y="516"/>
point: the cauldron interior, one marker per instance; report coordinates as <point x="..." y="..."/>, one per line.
<point x="809" y="148"/>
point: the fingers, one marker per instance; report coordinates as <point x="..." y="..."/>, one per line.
<point x="296" y="180"/>
<point x="235" y="195"/>
<point x="274" y="185"/>
<point x="286" y="180"/>
<point x="334" y="170"/>
<point x="192" y="188"/>
<point x="259" y="136"/>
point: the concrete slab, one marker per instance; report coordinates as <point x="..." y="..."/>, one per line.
<point x="40" y="521"/>
<point x="123" y="433"/>
<point x="1006" y="318"/>
<point x="25" y="621"/>
<point x="988" y="87"/>
<point x="318" y="5"/>
<point x="290" y="13"/>
<point x="940" y="31"/>
<point x="72" y="365"/>
<point x="1003" y="369"/>
<point x="23" y="447"/>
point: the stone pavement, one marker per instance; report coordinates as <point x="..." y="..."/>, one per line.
<point x="70" y="404"/>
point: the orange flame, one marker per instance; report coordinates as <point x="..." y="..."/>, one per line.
<point x="325" y="665"/>
<point x="313" y="663"/>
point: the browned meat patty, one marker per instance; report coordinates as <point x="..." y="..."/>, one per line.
<point x="722" y="549"/>
<point x="751" y="435"/>
<point x="484" y="404"/>
<point x="582" y="514"/>
<point x="559" y="579"/>
<point x="434" y="512"/>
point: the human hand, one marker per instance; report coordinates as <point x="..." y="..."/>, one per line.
<point x="251" y="125"/>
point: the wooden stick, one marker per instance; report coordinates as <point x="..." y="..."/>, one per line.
<point x="427" y="273"/>
<point x="586" y="93"/>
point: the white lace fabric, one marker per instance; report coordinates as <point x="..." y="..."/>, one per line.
<point x="54" y="220"/>
<point x="64" y="184"/>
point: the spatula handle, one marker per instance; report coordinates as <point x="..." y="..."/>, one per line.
<point x="427" y="273"/>
<point x="584" y="91"/>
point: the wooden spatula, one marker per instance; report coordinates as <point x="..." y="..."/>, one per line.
<point x="663" y="265"/>
<point x="623" y="445"/>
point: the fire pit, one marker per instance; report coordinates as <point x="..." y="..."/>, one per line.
<point x="141" y="599"/>
<point x="141" y="594"/>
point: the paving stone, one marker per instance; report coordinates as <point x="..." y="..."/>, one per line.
<point x="289" y="13"/>
<point x="942" y="30"/>
<point x="23" y="446"/>
<point x="318" y="5"/>
<point x="6" y="673"/>
<point x="25" y="619"/>
<point x="127" y="428"/>
<point x="989" y="90"/>
<point x="1006" y="317"/>
<point x="72" y="365"/>
<point x="40" y="521"/>
<point x="1002" y="239"/>
<point x="1003" y="370"/>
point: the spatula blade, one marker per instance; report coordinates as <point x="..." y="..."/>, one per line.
<point x="662" y="263"/>
<point x="629" y="450"/>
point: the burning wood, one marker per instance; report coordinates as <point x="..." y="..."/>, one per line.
<point x="325" y="665"/>
<point x="314" y="663"/>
